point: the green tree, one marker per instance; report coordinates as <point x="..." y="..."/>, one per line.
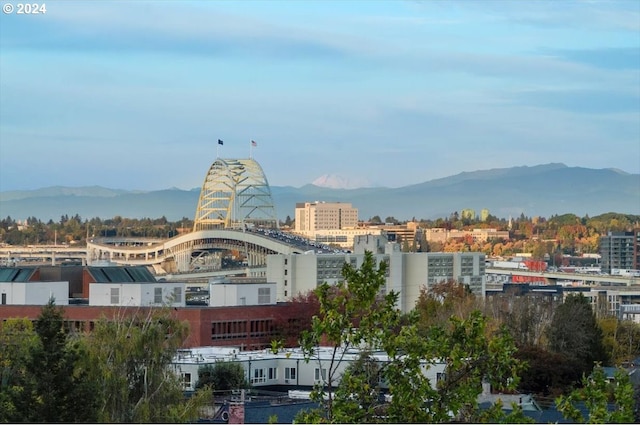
<point x="470" y="356"/>
<point x="375" y="220"/>
<point x="357" y="396"/>
<point x="132" y="355"/>
<point x="18" y="341"/>
<point x="596" y="393"/>
<point x="351" y="314"/>
<point x="64" y="392"/>
<point x="621" y="339"/>
<point x="574" y="332"/>
<point x="547" y="373"/>
<point x="222" y="377"/>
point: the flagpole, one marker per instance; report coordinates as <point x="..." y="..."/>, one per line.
<point x="250" y="149"/>
<point x="218" y="148"/>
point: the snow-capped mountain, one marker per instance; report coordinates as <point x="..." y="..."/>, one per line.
<point x="335" y="181"/>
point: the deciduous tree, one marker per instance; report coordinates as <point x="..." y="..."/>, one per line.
<point x="132" y="356"/>
<point x="350" y="316"/>
<point x="596" y="393"/>
<point x="222" y="377"/>
<point x="354" y="314"/>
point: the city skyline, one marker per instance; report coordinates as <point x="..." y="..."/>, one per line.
<point x="136" y="95"/>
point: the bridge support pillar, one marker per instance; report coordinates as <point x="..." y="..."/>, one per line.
<point x="53" y="258"/>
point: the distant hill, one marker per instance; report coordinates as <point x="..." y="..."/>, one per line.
<point x="542" y="190"/>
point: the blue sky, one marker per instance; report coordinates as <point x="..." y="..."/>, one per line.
<point x="135" y="95"/>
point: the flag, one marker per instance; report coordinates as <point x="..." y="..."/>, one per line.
<point x="220" y="142"/>
<point x="254" y="144"/>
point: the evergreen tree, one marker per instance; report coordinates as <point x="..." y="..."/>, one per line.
<point x="18" y="341"/>
<point x="63" y="392"/>
<point x="574" y="332"/>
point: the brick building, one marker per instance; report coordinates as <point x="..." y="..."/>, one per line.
<point x="248" y="327"/>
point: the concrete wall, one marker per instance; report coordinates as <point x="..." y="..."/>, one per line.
<point x="238" y="294"/>
<point x="135" y="294"/>
<point x="34" y="293"/>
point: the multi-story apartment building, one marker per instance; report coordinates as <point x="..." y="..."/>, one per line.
<point x="620" y="251"/>
<point x="407" y="273"/>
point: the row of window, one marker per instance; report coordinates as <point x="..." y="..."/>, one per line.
<point x="232" y="329"/>
<point x="331" y="239"/>
<point x="261" y="375"/>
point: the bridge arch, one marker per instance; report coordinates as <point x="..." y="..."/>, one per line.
<point x="235" y="193"/>
<point x="176" y="254"/>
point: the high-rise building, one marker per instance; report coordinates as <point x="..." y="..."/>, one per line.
<point x="312" y="216"/>
<point x="620" y="251"/>
<point x="333" y="223"/>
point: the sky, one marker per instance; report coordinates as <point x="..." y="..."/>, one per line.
<point x="135" y="94"/>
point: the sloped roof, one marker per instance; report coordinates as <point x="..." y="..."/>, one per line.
<point x="16" y="274"/>
<point x="119" y="274"/>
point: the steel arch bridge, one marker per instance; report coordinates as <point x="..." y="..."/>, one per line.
<point x="235" y="212"/>
<point x="235" y="193"/>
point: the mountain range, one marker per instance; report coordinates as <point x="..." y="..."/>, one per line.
<point x="541" y="190"/>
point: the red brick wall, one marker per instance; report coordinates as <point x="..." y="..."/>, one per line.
<point x="199" y="319"/>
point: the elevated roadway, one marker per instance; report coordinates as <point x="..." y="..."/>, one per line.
<point x="13" y="255"/>
<point x="177" y="255"/>
<point x="557" y="277"/>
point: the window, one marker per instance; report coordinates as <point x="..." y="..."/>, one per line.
<point x="285" y="293"/>
<point x="264" y="295"/>
<point x="258" y="376"/>
<point x="232" y="329"/>
<point x="157" y="295"/>
<point x="4" y="298"/>
<point x="440" y="376"/>
<point x="177" y="295"/>
<point x="243" y="300"/>
<point x="115" y="295"/>
<point x="290" y="373"/>
<point x="186" y="381"/>
<point x="261" y="327"/>
<point x="273" y="373"/>
<point x="324" y="374"/>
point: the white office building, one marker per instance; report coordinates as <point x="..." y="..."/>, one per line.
<point x="230" y="292"/>
<point x="33" y="293"/>
<point x="137" y="294"/>
<point x="285" y="368"/>
<point x="407" y="273"/>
